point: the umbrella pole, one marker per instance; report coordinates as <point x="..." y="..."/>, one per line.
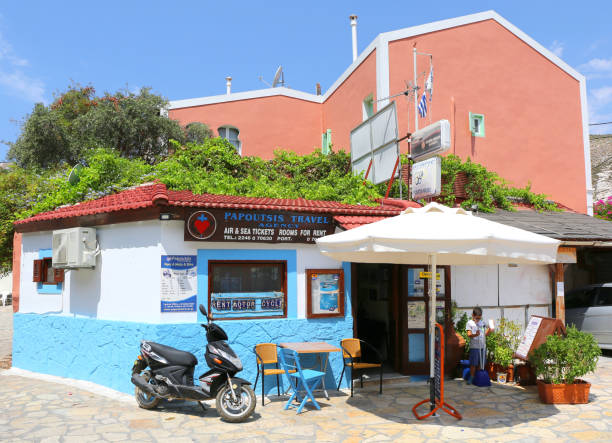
<point x="433" y="283"/>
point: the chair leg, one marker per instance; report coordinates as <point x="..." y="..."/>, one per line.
<point x="309" y="395"/>
<point x="277" y="385"/>
<point x="352" y="374"/>
<point x="262" y="388"/>
<point x="256" y="379"/>
<point x="381" y="375"/>
<point x="361" y="379"/>
<point x="341" y="375"/>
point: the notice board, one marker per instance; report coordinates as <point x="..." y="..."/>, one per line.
<point x="536" y="333"/>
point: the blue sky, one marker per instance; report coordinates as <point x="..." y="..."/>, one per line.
<point x="185" y="49"/>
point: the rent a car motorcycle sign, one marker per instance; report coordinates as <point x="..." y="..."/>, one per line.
<point x="257" y="226"/>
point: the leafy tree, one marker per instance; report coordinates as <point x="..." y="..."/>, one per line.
<point x="78" y="121"/>
<point x="197" y="132"/>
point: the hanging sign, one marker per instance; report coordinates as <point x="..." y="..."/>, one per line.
<point x="427" y="274"/>
<point x="426" y="178"/>
<point x="179" y="283"/>
<point x="247" y="305"/>
<point x="429" y="141"/>
<point x="222" y="225"/>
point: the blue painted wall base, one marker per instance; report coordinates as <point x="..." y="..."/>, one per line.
<point x="104" y="351"/>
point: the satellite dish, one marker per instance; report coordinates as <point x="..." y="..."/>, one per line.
<point x="279" y="77"/>
<point x="73" y="177"/>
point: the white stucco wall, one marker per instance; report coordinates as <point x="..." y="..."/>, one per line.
<point x="503" y="286"/>
<point x="308" y="257"/>
<point x="29" y="298"/>
<point x="125" y="284"/>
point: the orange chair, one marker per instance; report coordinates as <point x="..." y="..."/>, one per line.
<point x="351" y="356"/>
<point x="266" y="355"/>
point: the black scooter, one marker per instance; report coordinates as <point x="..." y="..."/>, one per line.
<point x="170" y="376"/>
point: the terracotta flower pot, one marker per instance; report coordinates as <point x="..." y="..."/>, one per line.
<point x="510" y="372"/>
<point x="454" y="347"/>
<point x="576" y="393"/>
<point x="492" y="369"/>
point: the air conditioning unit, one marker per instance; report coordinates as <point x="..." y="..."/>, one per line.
<point x="75" y="248"/>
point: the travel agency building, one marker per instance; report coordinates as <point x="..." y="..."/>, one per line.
<point x="156" y="254"/>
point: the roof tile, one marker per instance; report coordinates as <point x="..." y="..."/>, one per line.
<point x="150" y="195"/>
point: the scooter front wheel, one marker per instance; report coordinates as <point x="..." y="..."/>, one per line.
<point x="144" y="399"/>
<point x="238" y="410"/>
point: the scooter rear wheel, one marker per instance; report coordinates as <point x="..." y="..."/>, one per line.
<point x="239" y="410"/>
<point x="144" y="399"/>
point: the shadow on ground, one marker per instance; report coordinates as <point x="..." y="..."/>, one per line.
<point x="487" y="407"/>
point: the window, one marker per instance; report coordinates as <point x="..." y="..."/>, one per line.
<point x="48" y="278"/>
<point x="231" y="135"/>
<point x="326" y="142"/>
<point x="247" y="289"/>
<point x="581" y="298"/>
<point x="477" y="125"/>
<point x="604" y="298"/>
<point x="368" y="107"/>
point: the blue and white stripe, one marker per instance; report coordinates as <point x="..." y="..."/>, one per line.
<point x="423" y="106"/>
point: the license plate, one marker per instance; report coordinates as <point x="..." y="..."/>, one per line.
<point x="222" y="305"/>
<point x="247" y="304"/>
<point x="272" y="304"/>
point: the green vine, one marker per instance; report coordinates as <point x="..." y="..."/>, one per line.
<point x="485" y="189"/>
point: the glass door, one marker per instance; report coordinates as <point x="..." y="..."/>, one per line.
<point x="415" y="289"/>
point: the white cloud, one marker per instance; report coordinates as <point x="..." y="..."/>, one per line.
<point x="557" y="48"/>
<point x="597" y="68"/>
<point x="13" y="81"/>
<point x="18" y="84"/>
<point x="600" y="109"/>
<point x="603" y="96"/>
<point x="7" y="54"/>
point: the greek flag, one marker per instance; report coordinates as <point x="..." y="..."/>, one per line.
<point x="423" y="106"/>
<point x="429" y="83"/>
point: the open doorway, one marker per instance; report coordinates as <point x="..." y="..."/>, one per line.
<point x="375" y="322"/>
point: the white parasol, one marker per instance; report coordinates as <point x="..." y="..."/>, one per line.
<point x="438" y="235"/>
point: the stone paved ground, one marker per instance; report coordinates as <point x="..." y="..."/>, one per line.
<point x="41" y="411"/>
<point x="6" y="335"/>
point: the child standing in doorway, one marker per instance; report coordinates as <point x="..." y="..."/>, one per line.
<point x="475" y="328"/>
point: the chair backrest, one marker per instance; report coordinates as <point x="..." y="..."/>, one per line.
<point x="266" y="353"/>
<point x="290" y="361"/>
<point x="351" y="345"/>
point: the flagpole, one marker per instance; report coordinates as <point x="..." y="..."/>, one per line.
<point x="416" y="91"/>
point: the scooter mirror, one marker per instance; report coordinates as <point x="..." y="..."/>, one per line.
<point x="203" y="311"/>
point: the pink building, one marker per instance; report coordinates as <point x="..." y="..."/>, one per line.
<point x="532" y="104"/>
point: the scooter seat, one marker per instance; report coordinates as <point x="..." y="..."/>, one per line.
<point x="174" y="355"/>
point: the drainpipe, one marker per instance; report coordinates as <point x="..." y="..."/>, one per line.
<point x="354" y="32"/>
<point x="228" y="85"/>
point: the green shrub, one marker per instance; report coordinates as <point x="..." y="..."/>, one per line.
<point x="561" y="360"/>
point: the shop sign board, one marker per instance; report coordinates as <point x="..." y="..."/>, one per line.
<point x="179" y="283"/>
<point x="426" y="178"/>
<point x="247" y="305"/>
<point x="429" y="141"/>
<point x="537" y="331"/>
<point x="240" y="225"/>
<point x="374" y="146"/>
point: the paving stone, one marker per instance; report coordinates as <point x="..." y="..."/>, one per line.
<point x="501" y="413"/>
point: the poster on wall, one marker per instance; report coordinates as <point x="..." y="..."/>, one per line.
<point x="325" y="293"/>
<point x="223" y="225"/>
<point x="416" y="314"/>
<point x="179" y="283"/>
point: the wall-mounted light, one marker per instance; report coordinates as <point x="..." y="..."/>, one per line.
<point x="165" y="216"/>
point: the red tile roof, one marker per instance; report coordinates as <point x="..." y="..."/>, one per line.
<point x="150" y="195"/>
<point x="354" y="221"/>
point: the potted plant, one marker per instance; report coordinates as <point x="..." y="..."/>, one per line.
<point x="560" y="361"/>
<point x="501" y="344"/>
<point x="454" y="342"/>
